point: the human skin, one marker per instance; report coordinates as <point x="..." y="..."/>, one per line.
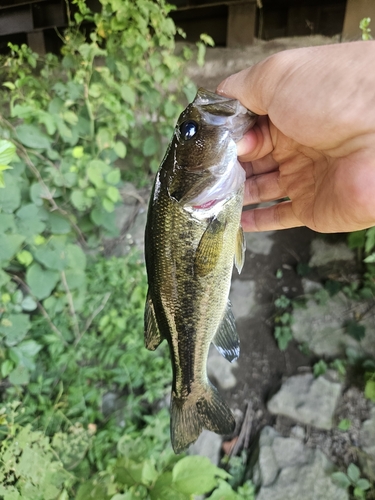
<point x="314" y="141"/>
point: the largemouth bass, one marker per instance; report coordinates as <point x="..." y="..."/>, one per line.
<point x="193" y="234"/>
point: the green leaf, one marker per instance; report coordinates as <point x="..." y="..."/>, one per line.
<point x="128" y="94"/>
<point x="76" y="257"/>
<point x="357" y="239"/>
<point x="29" y="220"/>
<point x="9" y="245"/>
<point x="363" y="484"/>
<point x="10" y="198"/>
<point x="224" y="491"/>
<point x="163" y="489"/>
<point x="41" y="281"/>
<point x="6" y="368"/>
<point x="113" y="177"/>
<point x="7" y="222"/>
<point x="108" y="205"/>
<point x="344" y="424"/>
<point x="58" y="224"/>
<point x="341" y="479"/>
<point x="195" y="475"/>
<point x="79" y="200"/>
<point x="29" y="304"/>
<point x="7" y="152"/>
<point x="370" y="240"/>
<point x="95" y="171"/>
<point x="52" y="255"/>
<point x="32" y="137"/>
<point x="75" y="278"/>
<point x="120" y="149"/>
<point x="19" y="376"/>
<point x="37" y="193"/>
<point x="78" y="152"/>
<point x="353" y="473"/>
<point x="150" y="146"/>
<point x="24" y="257"/>
<point x="113" y="194"/>
<point x="355" y="330"/>
<point x="128" y="472"/>
<point x="14" y="328"/>
<point x="370" y="390"/>
<point x="370" y="259"/>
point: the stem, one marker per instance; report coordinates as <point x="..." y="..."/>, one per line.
<point x="93" y="316"/>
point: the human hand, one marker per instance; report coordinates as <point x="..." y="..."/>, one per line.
<point x="315" y="140"/>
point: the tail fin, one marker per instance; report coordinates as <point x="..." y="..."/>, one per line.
<point x="190" y="416"/>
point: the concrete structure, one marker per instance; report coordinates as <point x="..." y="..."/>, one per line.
<point x="231" y="23"/>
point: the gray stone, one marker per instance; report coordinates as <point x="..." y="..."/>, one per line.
<point x="260" y="243"/>
<point x="322" y="326"/>
<point x="366" y="455"/>
<point x="266" y="467"/>
<point x="298" y="432"/>
<point x="290" y="452"/>
<point x="310" y="286"/>
<point x="242" y="297"/>
<point x="308" y="400"/>
<point x="221" y="369"/>
<point x="323" y="253"/>
<point x="286" y="469"/>
<point x="207" y="445"/>
<point x="310" y="482"/>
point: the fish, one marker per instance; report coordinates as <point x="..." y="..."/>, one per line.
<point x="192" y="237"/>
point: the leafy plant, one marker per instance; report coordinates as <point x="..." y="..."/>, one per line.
<point x="352" y="479"/>
<point x="364" y="27"/>
<point x="74" y="128"/>
<point x="283" y="320"/>
<point x="29" y="466"/>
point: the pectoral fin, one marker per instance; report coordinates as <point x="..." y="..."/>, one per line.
<point x="226" y="338"/>
<point x="153" y="336"/>
<point x="239" y="255"/>
<point x="209" y="248"/>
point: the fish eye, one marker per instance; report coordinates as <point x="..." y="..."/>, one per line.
<point x="188" y="130"/>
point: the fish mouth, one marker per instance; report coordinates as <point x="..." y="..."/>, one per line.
<point x="206" y="205"/>
<point x="219" y="110"/>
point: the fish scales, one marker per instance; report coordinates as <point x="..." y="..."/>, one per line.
<point x="192" y="235"/>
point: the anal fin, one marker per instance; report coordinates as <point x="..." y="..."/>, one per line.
<point x="226" y="338"/>
<point x="153" y="336"/>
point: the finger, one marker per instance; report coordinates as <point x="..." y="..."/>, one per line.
<point x="257" y="142"/>
<point x="265" y="187"/>
<point x="261" y="166"/>
<point x="279" y="216"/>
<point x="251" y="86"/>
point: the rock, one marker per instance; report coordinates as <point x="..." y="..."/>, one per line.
<point x="286" y="469"/>
<point x="260" y="243"/>
<point x="322" y="326"/>
<point x="207" y="445"/>
<point x="323" y="253"/>
<point x="308" y="400"/>
<point x="242" y="297"/>
<point x="367" y="445"/>
<point x="221" y="369"/>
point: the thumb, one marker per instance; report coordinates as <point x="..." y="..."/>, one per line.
<point x="246" y="87"/>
